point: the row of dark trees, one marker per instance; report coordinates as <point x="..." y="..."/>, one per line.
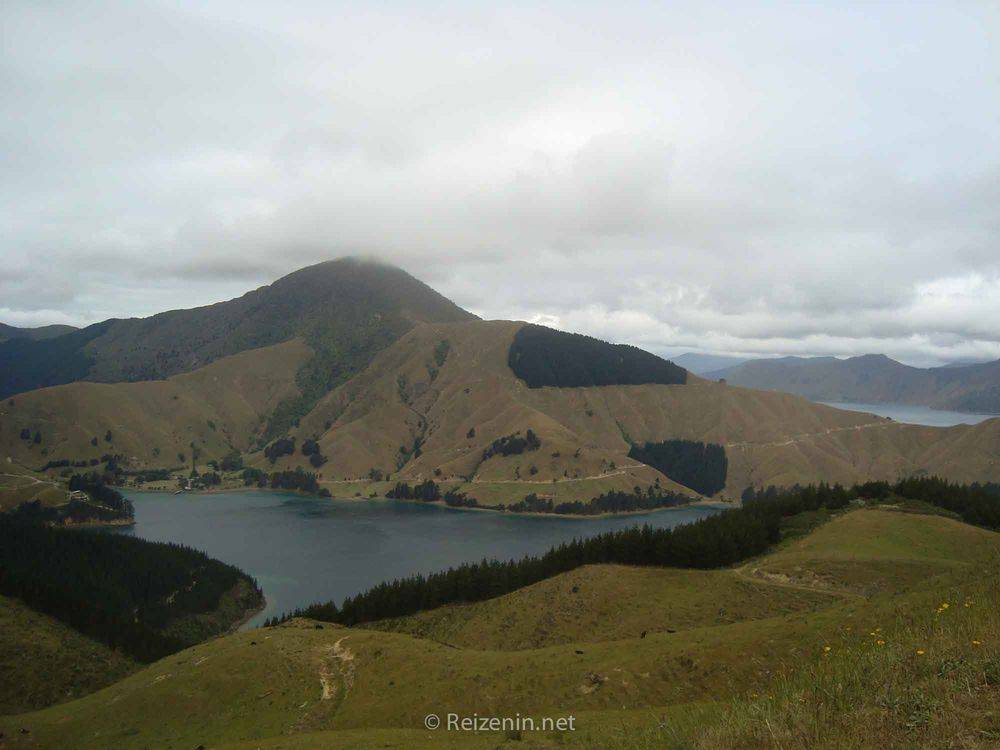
<point x="623" y="502"/>
<point x="716" y="541"/>
<point x="79" y="463"/>
<point x="700" y="466"/>
<point x="426" y="490"/>
<point x="609" y="502"/>
<point x="293" y="479"/>
<point x="117" y="589"/>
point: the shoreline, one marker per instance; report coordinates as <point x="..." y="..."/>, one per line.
<point x="248" y="615"/>
<point x="702" y="503"/>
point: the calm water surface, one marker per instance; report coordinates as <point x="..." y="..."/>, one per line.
<point x="303" y="550"/>
<point x="914" y="414"/>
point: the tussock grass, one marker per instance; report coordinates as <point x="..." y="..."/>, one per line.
<point x="928" y="676"/>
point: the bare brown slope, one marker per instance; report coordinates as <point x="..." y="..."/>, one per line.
<point x="220" y="407"/>
<point x="455" y="410"/>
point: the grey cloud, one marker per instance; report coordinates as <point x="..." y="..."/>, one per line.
<point x="725" y="177"/>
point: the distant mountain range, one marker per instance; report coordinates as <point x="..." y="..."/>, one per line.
<point x="34" y="334"/>
<point x="356" y="371"/>
<point x="873" y="378"/>
<point x="700" y="364"/>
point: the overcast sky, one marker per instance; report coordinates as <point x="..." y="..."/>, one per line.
<point x="773" y="178"/>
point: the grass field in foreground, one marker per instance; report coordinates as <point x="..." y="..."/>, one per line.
<point x="607" y="602"/>
<point x="842" y="675"/>
<point x="43" y="661"/>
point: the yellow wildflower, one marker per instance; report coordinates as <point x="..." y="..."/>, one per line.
<point x="880" y="642"/>
<point x="920" y="652"/>
<point x="977" y="643"/>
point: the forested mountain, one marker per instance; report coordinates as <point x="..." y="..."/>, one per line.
<point x="345" y="310"/>
<point x="874" y="378"/>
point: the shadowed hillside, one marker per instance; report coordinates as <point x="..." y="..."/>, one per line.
<point x="35" y="334"/>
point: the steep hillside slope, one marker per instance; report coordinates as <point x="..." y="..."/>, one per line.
<point x="443" y="402"/>
<point x="874" y="378"/>
<point x="43" y="661"/>
<point x="346" y="310"/>
<point x="433" y="404"/>
<point x="36" y="334"/>
<point x="311" y="685"/>
<point x="218" y="408"/>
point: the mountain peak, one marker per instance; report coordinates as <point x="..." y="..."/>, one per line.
<point x="344" y="309"/>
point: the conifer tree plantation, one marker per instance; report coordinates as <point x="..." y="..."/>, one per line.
<point x="135" y="596"/>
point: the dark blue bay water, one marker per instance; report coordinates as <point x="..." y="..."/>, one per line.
<point x="304" y="550"/>
<point x="914" y="414"/>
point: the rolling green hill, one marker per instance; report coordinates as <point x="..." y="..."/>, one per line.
<point x="893" y="667"/>
<point x="43" y="661"/>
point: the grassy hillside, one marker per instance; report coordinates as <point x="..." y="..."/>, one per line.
<point x="874" y="379"/>
<point x="432" y="404"/>
<point x="346" y="310"/>
<point x="875" y="552"/>
<point x="21" y="485"/>
<point x="606" y="602"/>
<point x="379" y="379"/>
<point x="219" y="408"/>
<point x="804" y="660"/>
<point x="412" y="416"/>
<point x="43" y="661"/>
